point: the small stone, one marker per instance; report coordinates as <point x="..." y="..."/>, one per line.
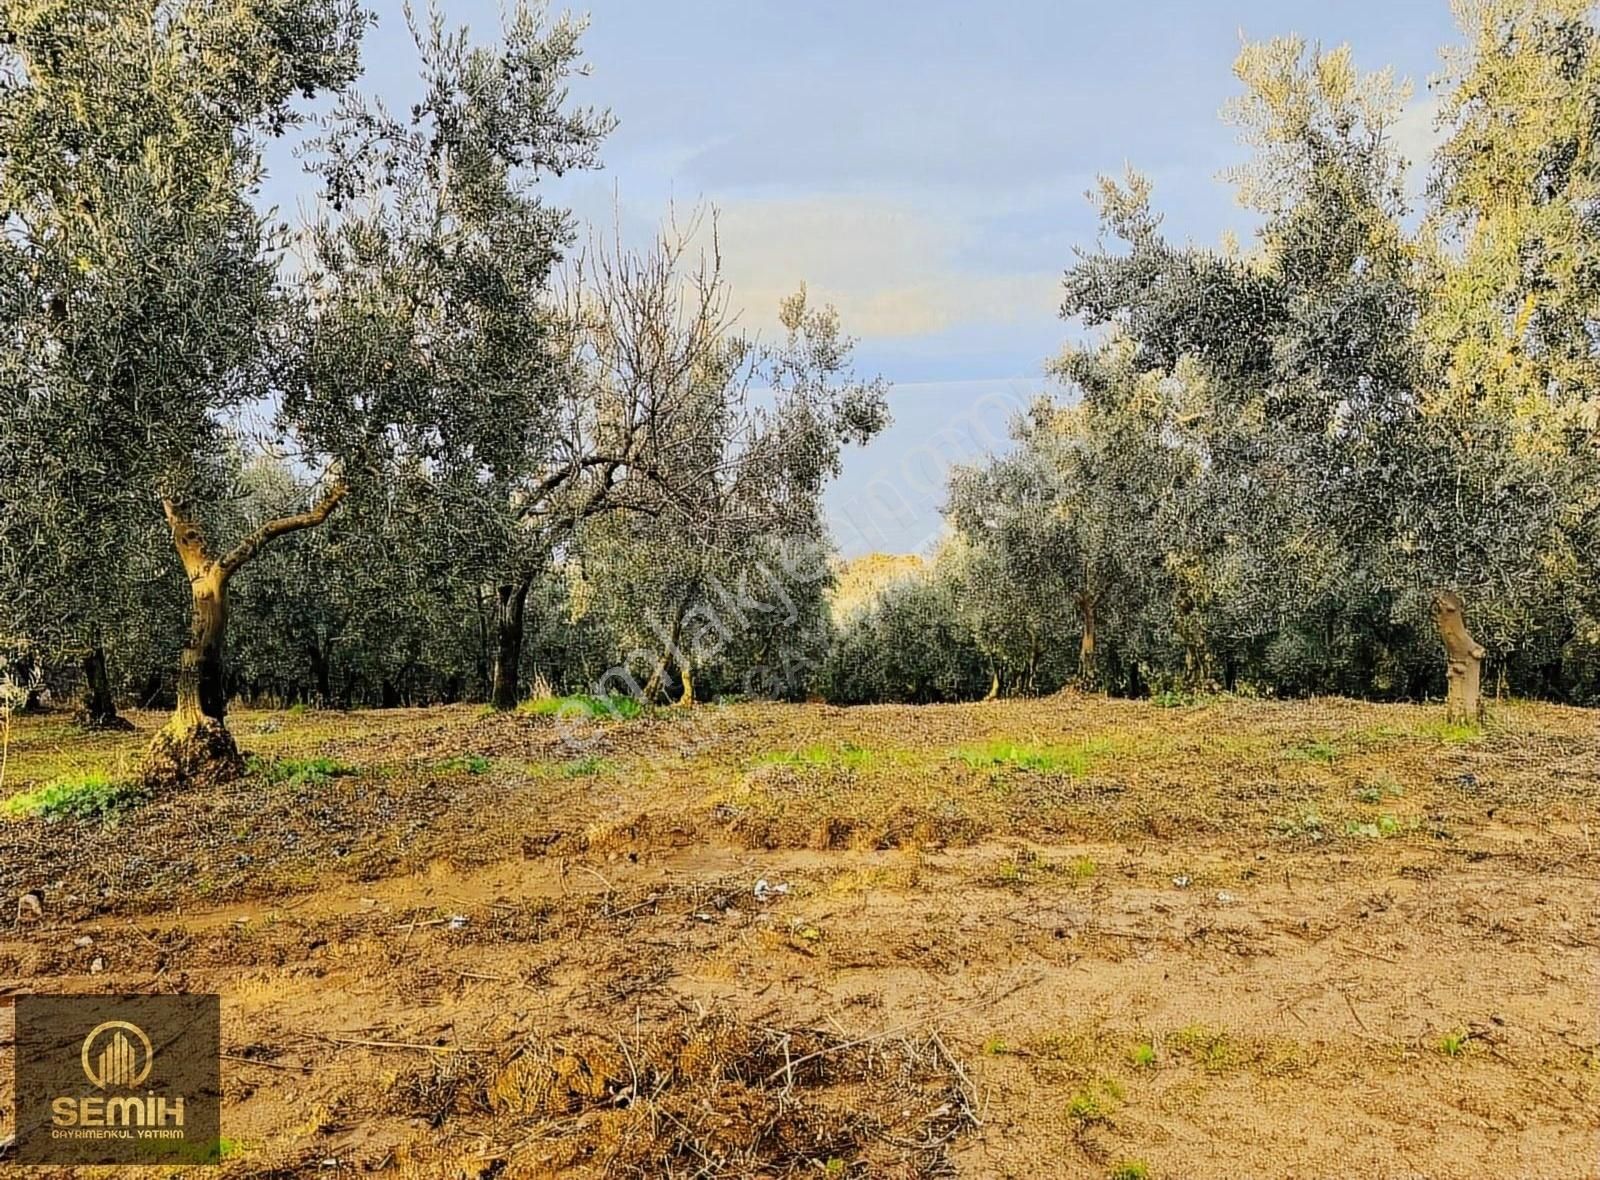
<point x="29" y="908"/>
<point x="84" y="941"/>
<point x="97" y="966"/>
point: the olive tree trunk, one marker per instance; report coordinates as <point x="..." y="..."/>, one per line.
<point x="656" y="685"/>
<point x="510" y="615"/>
<point x="1086" y="650"/>
<point x="195" y="746"/>
<point x="202" y="697"/>
<point x="97" y="708"/>
<point x="1463" y="660"/>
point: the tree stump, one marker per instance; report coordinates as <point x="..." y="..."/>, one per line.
<point x="1463" y="660"/>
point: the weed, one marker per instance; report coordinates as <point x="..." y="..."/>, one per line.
<point x="1081" y="870"/>
<point x="298" y="709"/>
<point x="1379" y="829"/>
<point x="585" y="767"/>
<point x="89" y="796"/>
<point x="1454" y="1044"/>
<point x="1209" y="1048"/>
<point x="1142" y="1055"/>
<point x="996" y="1047"/>
<point x="301" y="772"/>
<point x="1013" y="871"/>
<point x="1383" y="787"/>
<point x="470" y="763"/>
<point x="1074" y="760"/>
<point x="1308" y="825"/>
<point x="1130" y="1170"/>
<point x="1095" y="1102"/>
<point x="843" y="756"/>
<point x="1317" y="751"/>
<point x="583" y="705"/>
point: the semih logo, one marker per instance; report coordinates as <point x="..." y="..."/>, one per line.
<point x="119" y="1063"/>
<point x="117" y="1054"/>
<point x="131" y="1079"/>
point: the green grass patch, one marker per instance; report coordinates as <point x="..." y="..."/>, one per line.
<point x="1381" y="828"/>
<point x="1452" y="733"/>
<point x="582" y="705"/>
<point x="1208" y="1048"/>
<point x="465" y="763"/>
<point x="1025" y="867"/>
<point x="1317" y="751"/>
<point x="1436" y="729"/>
<point x="838" y="756"/>
<point x="89" y="796"/>
<point x="1075" y="759"/>
<point x="1176" y="698"/>
<point x="586" y="767"/>
<point x="1080" y="870"/>
<point x="301" y="772"/>
<point x="1095" y="1102"/>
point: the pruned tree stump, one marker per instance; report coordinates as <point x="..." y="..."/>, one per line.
<point x="1463" y="661"/>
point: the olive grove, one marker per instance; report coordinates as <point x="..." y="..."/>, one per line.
<point x="440" y="444"/>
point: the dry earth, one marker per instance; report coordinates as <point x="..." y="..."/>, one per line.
<point x="1075" y="938"/>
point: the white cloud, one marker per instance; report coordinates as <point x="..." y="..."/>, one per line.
<point x="1416" y="137"/>
<point x="888" y="267"/>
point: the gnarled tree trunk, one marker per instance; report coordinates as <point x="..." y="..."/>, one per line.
<point x="510" y="613"/>
<point x="195" y="746"/>
<point x="97" y="708"/>
<point x="1463" y="660"/>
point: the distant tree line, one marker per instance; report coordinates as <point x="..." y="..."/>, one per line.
<point x="1362" y="457"/>
<point x="434" y="447"/>
<point x="338" y="462"/>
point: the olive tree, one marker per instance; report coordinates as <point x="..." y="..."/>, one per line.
<point x="678" y="440"/>
<point x="1319" y="460"/>
<point x="145" y="281"/>
<point x="1512" y="313"/>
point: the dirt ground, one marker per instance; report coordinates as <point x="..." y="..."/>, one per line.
<point x="1074" y="938"/>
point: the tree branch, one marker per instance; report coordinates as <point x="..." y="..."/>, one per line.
<point x="251" y="545"/>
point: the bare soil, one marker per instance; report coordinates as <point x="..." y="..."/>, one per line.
<point x="1072" y="937"/>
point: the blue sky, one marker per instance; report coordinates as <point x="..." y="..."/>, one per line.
<point x="921" y="164"/>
